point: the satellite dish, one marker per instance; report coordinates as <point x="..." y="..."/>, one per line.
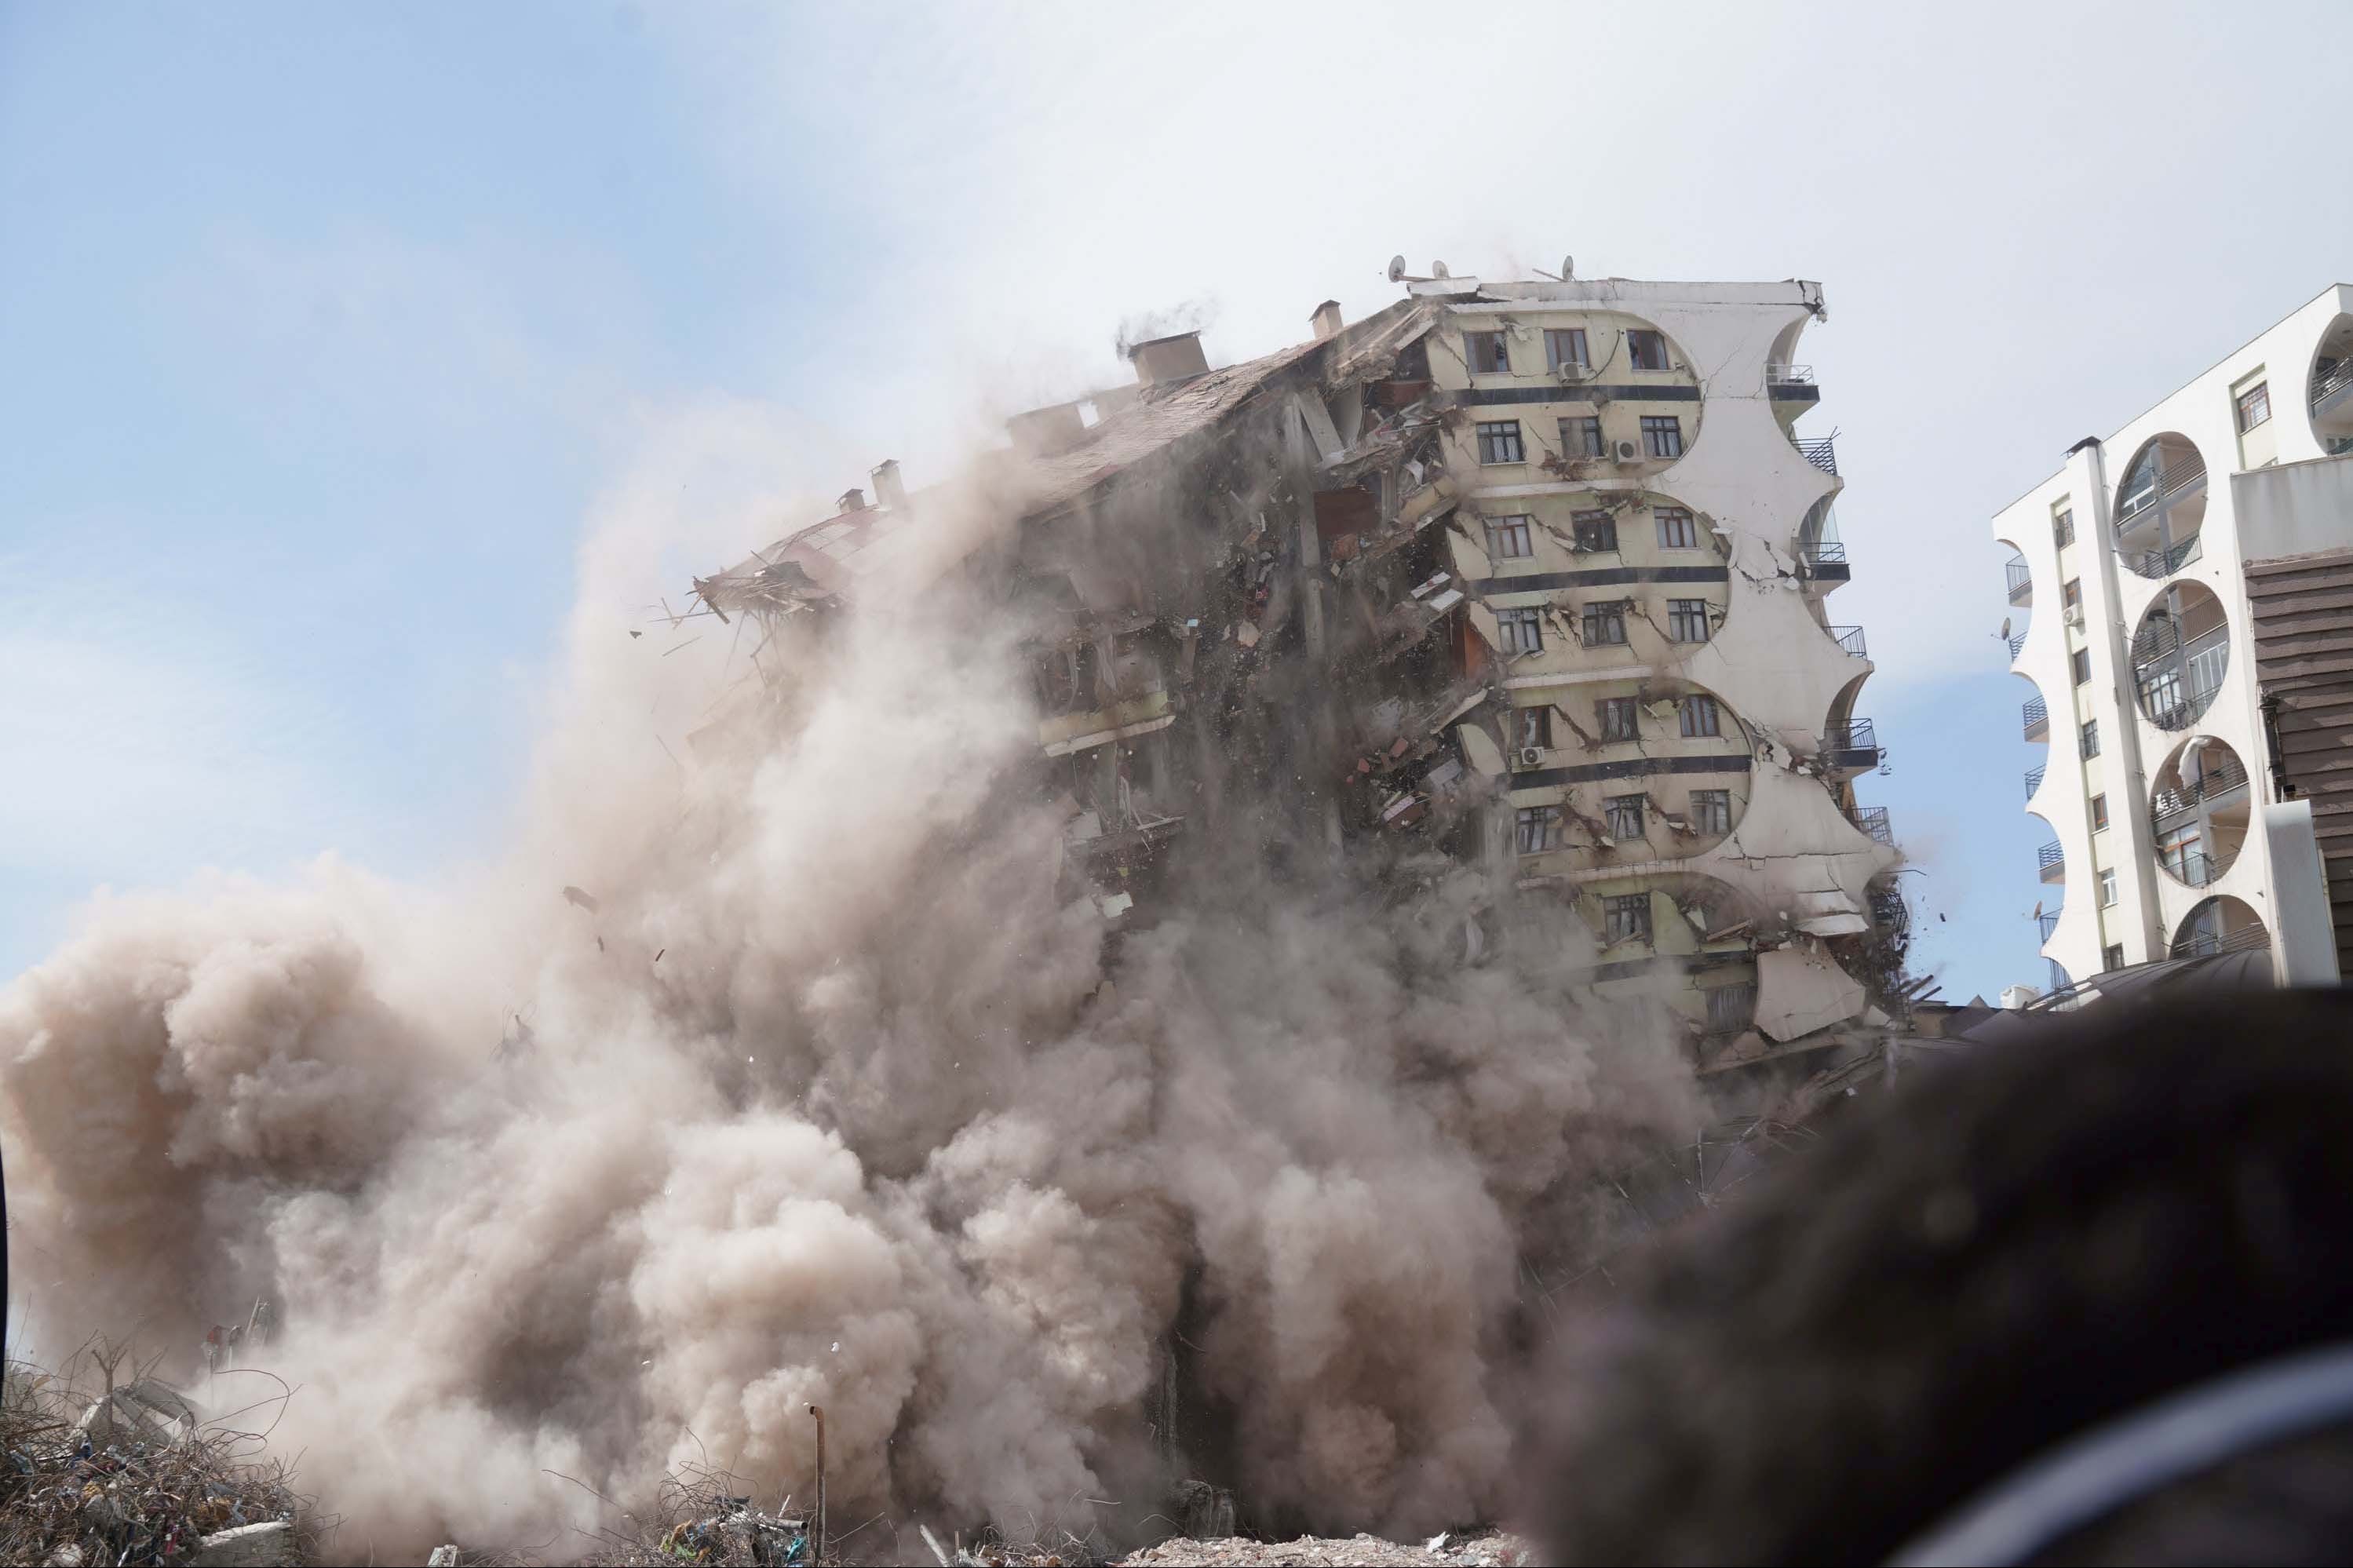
<point x="1438" y="269"/>
<point x="1567" y="268"/>
<point x="1397" y="269"/>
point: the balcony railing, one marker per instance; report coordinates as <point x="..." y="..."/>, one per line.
<point x="2207" y="943"/>
<point x="1888" y="909"/>
<point x="2047" y="924"/>
<point x="2033" y="782"/>
<point x="2226" y="778"/>
<point x="2194" y="867"/>
<point x="1820" y="453"/>
<point x="2184" y="478"/>
<point x="2330" y="385"/>
<point x="2021" y="580"/>
<point x="1851" y="639"/>
<point x="1853" y="735"/>
<point x="1788" y="375"/>
<point x="2052" y="861"/>
<point x="2016" y="647"/>
<point x="2158" y="564"/>
<point x="1873" y="820"/>
<point x="1823" y="560"/>
<point x="2174" y="695"/>
<point x="2037" y="714"/>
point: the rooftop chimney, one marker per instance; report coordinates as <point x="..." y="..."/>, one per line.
<point x="852" y="500"/>
<point x="1169" y="358"/>
<point x="1326" y="319"/>
<point x="889" y="490"/>
<point x="1043" y="432"/>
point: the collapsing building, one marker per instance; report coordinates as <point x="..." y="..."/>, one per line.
<point x="1529" y="576"/>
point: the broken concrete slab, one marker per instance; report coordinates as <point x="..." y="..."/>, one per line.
<point x="267" y="1545"/>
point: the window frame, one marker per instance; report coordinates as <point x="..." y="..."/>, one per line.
<point x="2087" y="739"/>
<point x="1625" y="917"/>
<point x="1501" y="341"/>
<point x="1607" y="614"/>
<point x="1512" y="625"/>
<point x="1711" y="811"/>
<point x="1520" y="528"/>
<point x="1588" y="425"/>
<point x="1700" y="716"/>
<point x="2258" y="395"/>
<point x="2071" y="594"/>
<point x="1660" y="431"/>
<point x="1545" y="822"/>
<point x="1625" y="817"/>
<point x="2081" y="663"/>
<point x="1642" y="342"/>
<point x="1608" y="711"/>
<point x="2112" y="958"/>
<point x="2100" y="813"/>
<point x="1678" y="527"/>
<point x="1579" y="521"/>
<point x="1553" y="360"/>
<point x="1683" y="616"/>
<point x="1497" y="436"/>
<point x="2063" y="527"/>
<point x="1531" y="726"/>
<point x="2108" y="881"/>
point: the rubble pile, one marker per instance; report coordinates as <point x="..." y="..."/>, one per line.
<point x="138" y="1478"/>
<point x="1488" y="1548"/>
<point x="701" y="1519"/>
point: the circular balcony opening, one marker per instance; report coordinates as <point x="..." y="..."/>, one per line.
<point x="2160" y="507"/>
<point x="2216" y="925"/>
<point x="2328" y="392"/>
<point x="2181" y="651"/>
<point x="2198" y="811"/>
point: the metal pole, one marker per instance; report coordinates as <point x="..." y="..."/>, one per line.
<point x="819" y="1411"/>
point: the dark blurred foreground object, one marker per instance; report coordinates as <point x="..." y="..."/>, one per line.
<point x="2131" y="1232"/>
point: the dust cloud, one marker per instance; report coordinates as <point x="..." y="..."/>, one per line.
<point x="837" y="1095"/>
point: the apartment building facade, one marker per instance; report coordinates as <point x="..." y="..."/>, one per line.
<point x="1500" y="572"/>
<point x="2173" y="834"/>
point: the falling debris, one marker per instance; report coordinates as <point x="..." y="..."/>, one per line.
<point x="575" y="896"/>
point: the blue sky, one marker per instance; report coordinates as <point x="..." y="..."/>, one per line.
<point x="328" y="326"/>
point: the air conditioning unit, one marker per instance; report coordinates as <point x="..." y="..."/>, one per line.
<point x="1530" y="756"/>
<point x="1628" y="452"/>
<point x="2074" y="614"/>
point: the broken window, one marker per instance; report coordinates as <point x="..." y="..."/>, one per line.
<point x="1595" y="529"/>
<point x="1580" y="435"/>
<point x="1522" y="630"/>
<point x="2099" y="812"/>
<point x="1711" y="811"/>
<point x="1605" y="623"/>
<point x="1532" y="727"/>
<point x="1701" y="716"/>
<point x="2063" y="528"/>
<point x="1616" y="717"/>
<point x="1539" y="829"/>
<point x="2089" y="739"/>
<point x="2254" y="406"/>
<point x="1565" y="346"/>
<point x="1662" y="435"/>
<point x="1678" y="530"/>
<point x="1486" y="353"/>
<point x="1646" y="349"/>
<point x="2082" y="660"/>
<point x="1687" y="620"/>
<point x="1622" y="814"/>
<point x="1508" y="538"/>
<point x="1626" y="917"/>
<point x="1499" y="442"/>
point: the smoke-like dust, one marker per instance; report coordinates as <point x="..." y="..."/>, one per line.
<point x="838" y="1096"/>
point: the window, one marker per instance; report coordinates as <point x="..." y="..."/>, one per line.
<point x="1605" y="623"/>
<point x="2099" y="812"/>
<point x="2254" y="406"/>
<point x="1565" y="346"/>
<point x="1626" y="918"/>
<point x="1595" y="529"/>
<point x="1646" y="349"/>
<point x="1711" y="811"/>
<point x="1623" y="814"/>
<point x="2107" y="887"/>
<point x="1616" y="719"/>
<point x="2063" y="528"/>
<point x="1532" y="727"/>
<point x="1687" y="620"/>
<point x="1678" y="530"/>
<point x="1508" y="538"/>
<point x="1486" y="354"/>
<point x="1580" y="436"/>
<point x="1701" y="716"/>
<point x="2071" y="593"/>
<point x="1539" y="829"/>
<point x="1499" y="442"/>
<point x="1662" y="435"/>
<point x="2089" y="739"/>
<point x="2114" y="957"/>
<point x="1522" y="630"/>
<point x="2082" y="665"/>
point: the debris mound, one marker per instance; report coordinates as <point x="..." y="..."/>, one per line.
<point x="701" y="1518"/>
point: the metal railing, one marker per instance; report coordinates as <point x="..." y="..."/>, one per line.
<point x="2184" y="478"/>
<point x="2037" y="714"/>
<point x="1789" y="374"/>
<point x="1853" y="735"/>
<point x="2050" y="855"/>
<point x="2033" y="781"/>
<point x="1888" y="909"/>
<point x="1820" y="454"/>
<point x="2194" y="867"/>
<point x="2047" y="924"/>
<point x="1851" y="639"/>
<point x="2227" y="776"/>
<point x="2207" y="943"/>
<point x="1873" y="820"/>
<point x="2156" y="563"/>
<point x="1820" y="553"/>
<point x="2016" y="647"/>
<point x="2327" y="384"/>
<point x="2173" y="697"/>
<point x="2021" y="579"/>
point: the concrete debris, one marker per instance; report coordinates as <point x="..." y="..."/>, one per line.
<point x="149" y="1411"/>
<point x="575" y="896"/>
<point x="1370" y="1551"/>
<point x="270" y="1544"/>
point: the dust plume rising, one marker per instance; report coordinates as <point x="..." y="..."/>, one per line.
<point x="837" y="1094"/>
